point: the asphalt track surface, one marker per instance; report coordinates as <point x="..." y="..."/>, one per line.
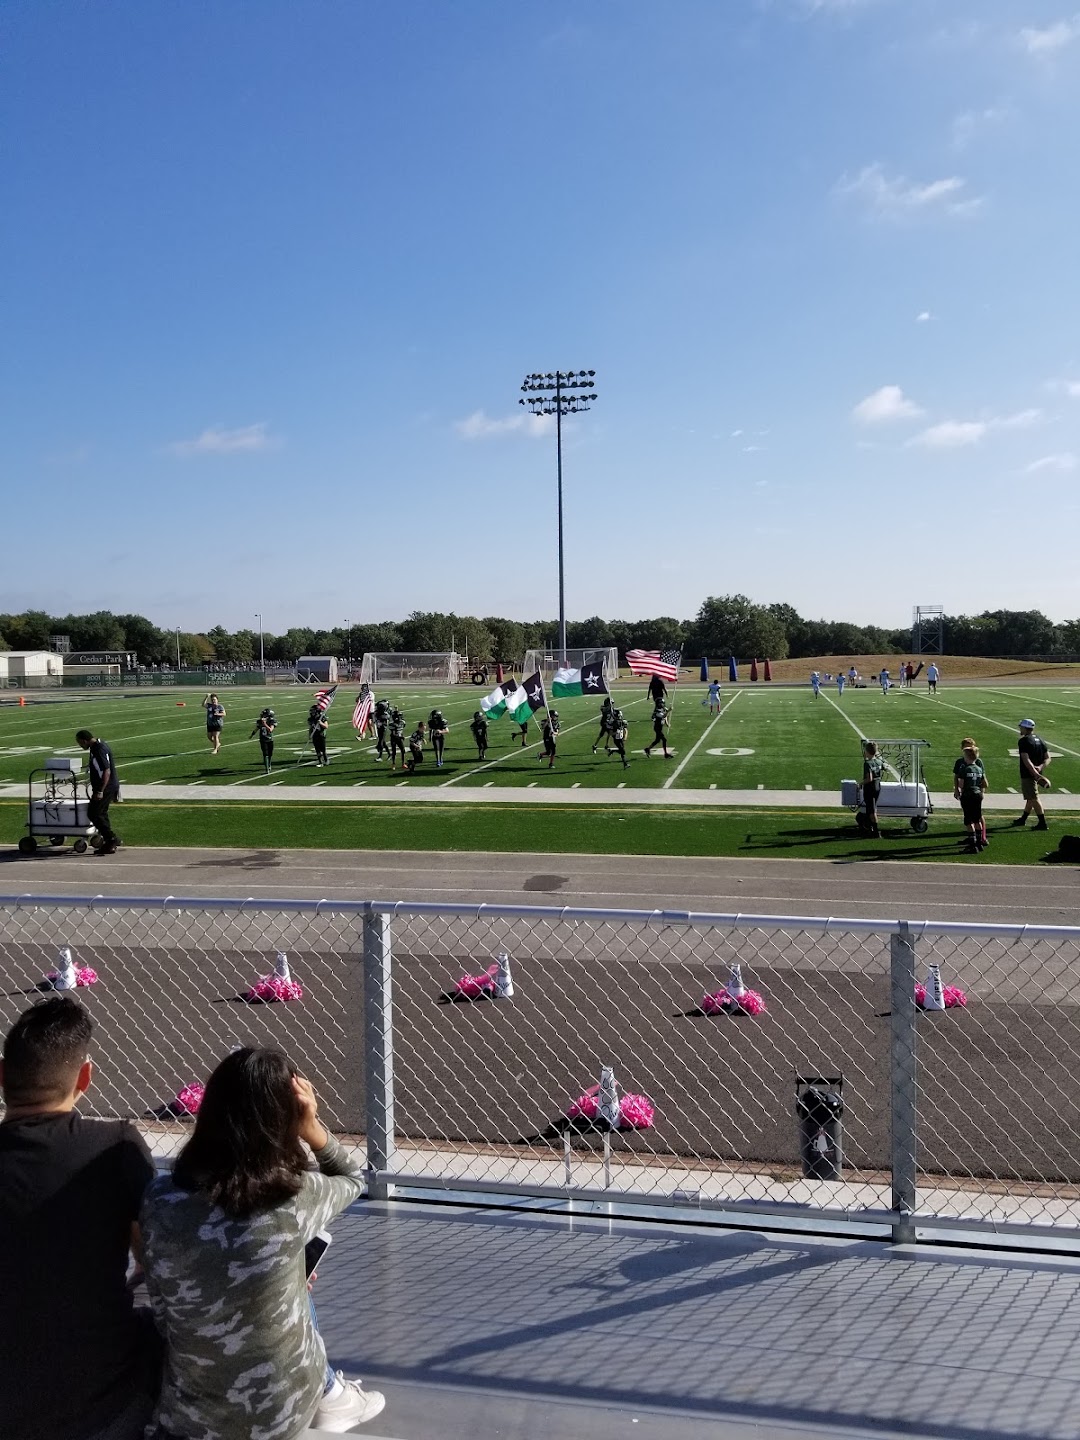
<point x="1006" y="894"/>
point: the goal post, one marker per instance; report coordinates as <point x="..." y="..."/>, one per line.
<point x="383" y="667"/>
<point x="548" y="661"/>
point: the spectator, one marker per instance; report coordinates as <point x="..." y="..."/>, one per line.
<point x="215" y="721"/>
<point x="224" y="1240"/>
<point x="933" y="674"/>
<point x="104" y="789"/>
<point x="1034" y="758"/>
<point x="79" y="1361"/>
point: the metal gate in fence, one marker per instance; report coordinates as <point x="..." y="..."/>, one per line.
<point x="604" y="1077"/>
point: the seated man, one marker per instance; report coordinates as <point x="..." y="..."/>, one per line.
<point x="79" y="1363"/>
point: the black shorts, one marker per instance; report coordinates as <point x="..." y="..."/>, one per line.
<point x="971" y="803"/>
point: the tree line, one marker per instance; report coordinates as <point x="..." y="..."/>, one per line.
<point x="724" y="625"/>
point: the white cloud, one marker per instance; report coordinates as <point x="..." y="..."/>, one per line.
<point x="884" y="405"/>
<point x="479" y="426"/>
<point x="923" y="316"/>
<point x="1066" y="387"/>
<point x="1063" y="462"/>
<point x="895" y="197"/>
<point x="1021" y="420"/>
<point x="1052" y="39"/>
<point x="967" y="126"/>
<point x="954" y="434"/>
<point x="219" y="441"/>
<point x="951" y="434"/>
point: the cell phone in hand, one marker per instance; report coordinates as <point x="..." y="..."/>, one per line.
<point x="315" y="1249"/>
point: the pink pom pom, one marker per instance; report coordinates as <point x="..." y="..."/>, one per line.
<point x="269" y="988"/>
<point x="84" y="976"/>
<point x="190" y="1098"/>
<point x="585" y="1107"/>
<point x="953" y="996"/>
<point x="748" y="1003"/>
<point x="636" y="1112"/>
<point x="472" y="986"/>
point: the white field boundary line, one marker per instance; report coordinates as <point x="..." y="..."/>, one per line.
<point x="1001" y="724"/>
<point x="1029" y="695"/>
<point x="840" y="711"/>
<point x="526" y="748"/>
<point x="670" y="781"/>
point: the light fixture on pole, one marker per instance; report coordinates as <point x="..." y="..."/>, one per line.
<point x="562" y="392"/>
<point x="262" y="659"/>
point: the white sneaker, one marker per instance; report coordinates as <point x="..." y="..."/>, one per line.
<point x="351" y="1406"/>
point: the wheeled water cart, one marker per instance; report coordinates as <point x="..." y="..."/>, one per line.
<point x="905" y="795"/>
<point x="55" y="810"/>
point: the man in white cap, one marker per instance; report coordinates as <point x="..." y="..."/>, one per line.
<point x="1034" y="758"/>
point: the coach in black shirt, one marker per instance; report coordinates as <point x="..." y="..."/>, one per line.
<point x="104" y="789"/>
<point x="77" y="1362"/>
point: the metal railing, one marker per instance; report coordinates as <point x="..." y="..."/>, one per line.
<point x="963" y="1118"/>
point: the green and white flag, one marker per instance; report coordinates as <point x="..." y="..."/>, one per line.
<point x="589" y="680"/>
<point x="494" y="705"/>
<point x="527" y="699"/>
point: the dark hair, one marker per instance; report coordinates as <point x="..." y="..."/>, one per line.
<point x="245" y="1154"/>
<point x="84" y="734"/>
<point x="44" y="1051"/>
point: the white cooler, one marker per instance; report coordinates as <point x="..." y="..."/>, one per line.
<point x="49" y="817"/>
<point x="896" y="798"/>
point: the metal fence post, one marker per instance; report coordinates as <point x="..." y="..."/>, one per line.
<point x="902" y="1082"/>
<point x="378" y="1054"/>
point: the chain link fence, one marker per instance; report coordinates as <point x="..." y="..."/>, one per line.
<point x="966" y="1116"/>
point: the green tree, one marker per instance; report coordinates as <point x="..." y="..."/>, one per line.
<point x="508" y="643"/>
<point x="148" y="642"/>
<point x="734" y="625"/>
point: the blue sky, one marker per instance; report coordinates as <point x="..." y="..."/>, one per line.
<point x="273" y="273"/>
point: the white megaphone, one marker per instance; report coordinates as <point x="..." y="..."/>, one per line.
<point x="608" y="1097"/>
<point x="504" y="984"/>
<point x="935" y="995"/>
<point x="65" y="970"/>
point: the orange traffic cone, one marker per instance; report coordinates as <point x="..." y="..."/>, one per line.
<point x="22" y="699"/>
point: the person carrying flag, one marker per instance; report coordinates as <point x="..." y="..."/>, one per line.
<point x="382" y="725"/>
<point x="479" y="728"/>
<point x="438" y="730"/>
<point x="317" y="728"/>
<point x="619" y="731"/>
<point x="396" y="726"/>
<point x="265" y="726"/>
<point x="607" y="710"/>
<point x="661" y="714"/>
<point x="361" y="715"/>
<point x="416" y="748"/>
<point x="550" y="732"/>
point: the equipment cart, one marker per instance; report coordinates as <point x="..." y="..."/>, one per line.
<point x="904" y="795"/>
<point x="55" y="810"/>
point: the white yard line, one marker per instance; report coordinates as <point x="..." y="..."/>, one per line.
<point x="1001" y="724"/>
<point x="476" y="770"/>
<point x="695" y="748"/>
<point x="891" y="768"/>
<point x="1033" y="695"/>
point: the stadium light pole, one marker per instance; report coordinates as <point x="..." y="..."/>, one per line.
<point x="262" y="659"/>
<point x="564" y="392"/>
<point x="348" y="646"/>
<point x="178" y="647"/>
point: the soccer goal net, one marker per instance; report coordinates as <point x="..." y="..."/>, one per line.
<point x="446" y="667"/>
<point x="548" y="661"/>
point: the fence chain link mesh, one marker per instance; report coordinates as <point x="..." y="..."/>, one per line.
<point x="476" y="1092"/>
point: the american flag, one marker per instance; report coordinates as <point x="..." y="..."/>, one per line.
<point x="362" y="713"/>
<point x="664" y="663"/>
<point x="325" y="698"/>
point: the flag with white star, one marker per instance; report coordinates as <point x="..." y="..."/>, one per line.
<point x="589" y="680"/>
<point x="527" y="699"/>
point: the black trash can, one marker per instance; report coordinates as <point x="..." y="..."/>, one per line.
<point x="819" y="1107"/>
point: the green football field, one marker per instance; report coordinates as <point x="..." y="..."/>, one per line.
<point x="765" y="739"/>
